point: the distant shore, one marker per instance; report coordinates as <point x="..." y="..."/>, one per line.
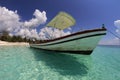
<point x="4" y="43"/>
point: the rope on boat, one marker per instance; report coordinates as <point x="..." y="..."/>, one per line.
<point x="114" y="34"/>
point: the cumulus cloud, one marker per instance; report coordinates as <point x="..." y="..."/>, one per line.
<point x="9" y="20"/>
<point x="45" y="33"/>
<point x="118" y="31"/>
<point x="117" y="24"/>
<point x="51" y="33"/>
<point x="28" y="33"/>
<point x="40" y="18"/>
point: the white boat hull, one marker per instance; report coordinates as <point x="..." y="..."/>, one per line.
<point x="85" y="42"/>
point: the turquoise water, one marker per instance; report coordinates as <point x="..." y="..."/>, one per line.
<point x="24" y="63"/>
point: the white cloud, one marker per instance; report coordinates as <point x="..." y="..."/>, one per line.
<point x="44" y="34"/>
<point x="9" y="20"/>
<point x="118" y="31"/>
<point x="51" y="33"/>
<point x="23" y="33"/>
<point x="40" y="18"/>
<point x="117" y="23"/>
<point x="34" y="34"/>
<point x="28" y="33"/>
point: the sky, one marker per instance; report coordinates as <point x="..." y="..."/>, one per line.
<point x="89" y="14"/>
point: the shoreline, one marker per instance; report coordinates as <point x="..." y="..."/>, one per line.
<point x="4" y="43"/>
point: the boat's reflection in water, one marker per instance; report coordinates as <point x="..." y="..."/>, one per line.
<point x="65" y="64"/>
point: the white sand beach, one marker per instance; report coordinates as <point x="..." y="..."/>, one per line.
<point x="4" y="43"/>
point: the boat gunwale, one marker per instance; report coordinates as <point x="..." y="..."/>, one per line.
<point x="77" y="33"/>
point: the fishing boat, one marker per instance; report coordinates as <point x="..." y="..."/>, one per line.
<point x="82" y="42"/>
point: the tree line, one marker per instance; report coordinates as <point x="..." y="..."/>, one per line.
<point x="4" y="36"/>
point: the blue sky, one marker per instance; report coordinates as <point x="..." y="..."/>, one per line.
<point x="89" y="14"/>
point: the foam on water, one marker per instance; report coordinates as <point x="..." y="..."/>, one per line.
<point x="24" y="63"/>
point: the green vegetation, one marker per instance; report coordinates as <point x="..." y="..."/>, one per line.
<point x="4" y="36"/>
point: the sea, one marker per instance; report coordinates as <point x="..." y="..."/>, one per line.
<point x="25" y="63"/>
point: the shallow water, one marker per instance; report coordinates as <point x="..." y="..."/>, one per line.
<point x="24" y="63"/>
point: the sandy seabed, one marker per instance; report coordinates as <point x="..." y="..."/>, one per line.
<point x="4" y="43"/>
